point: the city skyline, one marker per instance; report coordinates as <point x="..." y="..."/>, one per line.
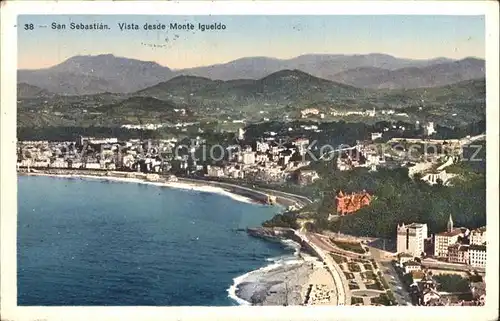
<point x="281" y="37"/>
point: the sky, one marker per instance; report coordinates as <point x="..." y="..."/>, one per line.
<point x="403" y="36"/>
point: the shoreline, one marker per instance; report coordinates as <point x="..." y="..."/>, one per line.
<point x="175" y="185"/>
<point x="262" y="284"/>
<point x="238" y="193"/>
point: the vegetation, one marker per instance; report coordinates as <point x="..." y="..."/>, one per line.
<point x="391" y="297"/>
<point x="382" y="279"/>
<point x="355" y="300"/>
<point x="368" y="275"/>
<point x="353" y="286"/>
<point x="338" y="258"/>
<point x="375" y="286"/>
<point x="349" y="276"/>
<point x="349" y="246"/>
<point x="400" y="199"/>
<point x="452" y="283"/>
<point x="368" y="266"/>
<point x="353" y="267"/>
<point x="288" y="219"/>
<point x="475" y="278"/>
<point x="381" y="299"/>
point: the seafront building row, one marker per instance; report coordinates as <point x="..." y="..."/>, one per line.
<point x="266" y="159"/>
<point x="455" y="245"/>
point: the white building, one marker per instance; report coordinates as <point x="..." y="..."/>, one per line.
<point x="411" y="238"/>
<point x="443" y="176"/>
<point x="477" y="256"/>
<point x="429" y="129"/>
<point x="478" y="236"/>
<point x="307" y="177"/>
<point x="215" y="171"/>
<point x="309" y="111"/>
<point x="246" y="157"/>
<point x="241" y="134"/>
<point x="411" y="266"/>
<point x="376" y="136"/>
<point x="443" y="240"/>
<point x="262" y="147"/>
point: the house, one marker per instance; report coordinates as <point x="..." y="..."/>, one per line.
<point x="307" y="177"/>
<point x="404" y="257"/>
<point x="376" y="136"/>
<point x="429" y="295"/>
<point x="477" y="256"/>
<point x="478" y="290"/>
<point x="442" y="176"/>
<point x="411" y="238"/>
<point x="411" y="266"/>
<point x="215" y="171"/>
<point x="478" y="236"/>
<point x="444" y="239"/>
<point x="350" y="203"/>
<point x="458" y="253"/>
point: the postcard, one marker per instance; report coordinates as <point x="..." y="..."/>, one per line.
<point x="223" y="160"/>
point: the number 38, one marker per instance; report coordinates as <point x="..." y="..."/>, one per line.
<point x="29" y="26"/>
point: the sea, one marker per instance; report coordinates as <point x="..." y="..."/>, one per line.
<point x="90" y="242"/>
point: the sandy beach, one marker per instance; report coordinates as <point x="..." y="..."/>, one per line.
<point x="297" y="281"/>
<point x="178" y="185"/>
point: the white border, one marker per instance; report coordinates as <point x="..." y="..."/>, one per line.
<point x="8" y="191"/>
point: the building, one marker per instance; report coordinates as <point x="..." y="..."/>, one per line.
<point x="376" y="136"/>
<point x="477" y="256"/>
<point x="309" y="111"/>
<point x="442" y="176"/>
<point x="417" y="276"/>
<point x="302" y="145"/>
<point x="458" y="253"/>
<point x="350" y="203"/>
<point x="307" y="177"/>
<point x="96" y="141"/>
<point x="241" y="134"/>
<point x="404" y="257"/>
<point x="444" y="239"/>
<point x="429" y="129"/>
<point x="215" y="171"/>
<point x="410" y="238"/>
<point x="262" y="147"/>
<point x="411" y="266"/>
<point x="478" y="236"/>
<point x="247" y="157"/>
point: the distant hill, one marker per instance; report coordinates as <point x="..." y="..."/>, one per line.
<point x="140" y="110"/>
<point x="319" y="65"/>
<point x="283" y="87"/>
<point x="82" y="75"/>
<point x="25" y="91"/>
<point x="468" y="90"/>
<point x="414" y="77"/>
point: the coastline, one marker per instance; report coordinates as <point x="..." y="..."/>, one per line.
<point x="264" y="286"/>
<point x="238" y="193"/>
<point x="177" y="185"/>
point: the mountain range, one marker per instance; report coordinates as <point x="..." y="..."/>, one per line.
<point x="81" y="75"/>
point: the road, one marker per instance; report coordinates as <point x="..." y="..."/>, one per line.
<point x="391" y="276"/>
<point x="343" y="292"/>
<point x="293" y="198"/>
<point x="435" y="264"/>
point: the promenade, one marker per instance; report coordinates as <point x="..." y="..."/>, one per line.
<point x="342" y="289"/>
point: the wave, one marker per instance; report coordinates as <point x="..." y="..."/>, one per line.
<point x="277" y="262"/>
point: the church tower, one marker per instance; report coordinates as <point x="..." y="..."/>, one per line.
<point x="449" y="225"/>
